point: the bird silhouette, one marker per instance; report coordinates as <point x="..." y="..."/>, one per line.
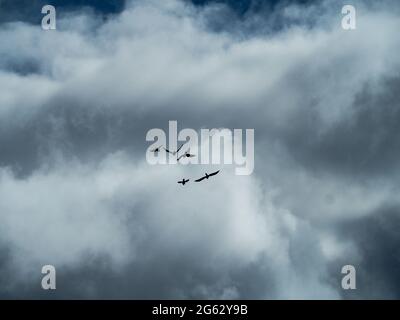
<point x="156" y="150"/>
<point x="174" y="152"/>
<point x="207" y="176"/>
<point x="186" y="155"/>
<point x="183" y="181"/>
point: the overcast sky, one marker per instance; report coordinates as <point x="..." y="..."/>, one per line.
<point x="76" y="191"/>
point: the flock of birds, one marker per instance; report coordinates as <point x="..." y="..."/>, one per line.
<point x="185" y="155"/>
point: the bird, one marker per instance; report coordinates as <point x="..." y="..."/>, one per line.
<point x="174" y="152"/>
<point x="183" y="181"/>
<point x="187" y="155"/>
<point x="207" y="176"/>
<point x="156" y="150"/>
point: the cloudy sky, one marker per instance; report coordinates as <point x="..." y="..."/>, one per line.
<point x="76" y="191"/>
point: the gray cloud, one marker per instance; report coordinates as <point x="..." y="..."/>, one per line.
<point x="76" y="192"/>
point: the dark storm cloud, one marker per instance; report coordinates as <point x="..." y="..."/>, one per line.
<point x="75" y="109"/>
<point x="377" y="239"/>
<point x="177" y="277"/>
<point x="365" y="144"/>
<point x="29" y="11"/>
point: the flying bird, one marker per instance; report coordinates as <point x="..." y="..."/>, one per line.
<point x="174" y="152"/>
<point x="207" y="176"/>
<point x="156" y="150"/>
<point x="183" y="181"/>
<point x="186" y="155"/>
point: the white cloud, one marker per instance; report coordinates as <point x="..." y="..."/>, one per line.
<point x="158" y="57"/>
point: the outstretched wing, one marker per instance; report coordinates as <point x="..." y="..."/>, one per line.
<point x="167" y="150"/>
<point x="179" y="158"/>
<point x="214" y="173"/>
<point x="180" y="147"/>
<point x="187" y="180"/>
<point x="180" y="181"/>
<point x="201" y="179"/>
